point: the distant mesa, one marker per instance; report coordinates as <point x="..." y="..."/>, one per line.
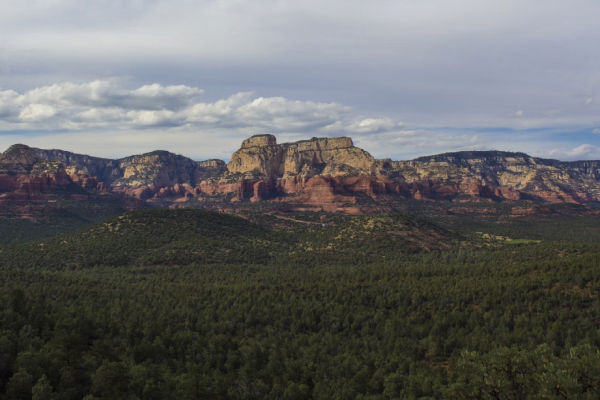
<point x="261" y="155"/>
<point x="330" y="173"/>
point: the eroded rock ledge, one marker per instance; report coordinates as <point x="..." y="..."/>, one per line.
<point x="261" y="155"/>
<point x="319" y="171"/>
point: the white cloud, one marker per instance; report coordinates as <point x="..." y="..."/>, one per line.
<point x="417" y="142"/>
<point x="519" y="113"/>
<point x="7" y="103"/>
<point x="94" y="104"/>
<point x="103" y="105"/>
<point x="100" y="115"/>
<point x="583" y="152"/>
<point x="101" y="109"/>
<point x="172" y="117"/>
<point x="596" y="131"/>
<point x="36" y="112"/>
<point x="372" y="125"/>
<point x="146" y="117"/>
<point x="107" y="94"/>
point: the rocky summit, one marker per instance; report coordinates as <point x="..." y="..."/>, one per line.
<point x="322" y="173"/>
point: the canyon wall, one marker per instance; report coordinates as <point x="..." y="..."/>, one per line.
<point x="262" y="156"/>
<point x="313" y="172"/>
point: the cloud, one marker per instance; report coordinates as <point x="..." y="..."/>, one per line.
<point x="519" y="113"/>
<point x="585" y="151"/>
<point x="94" y="104"/>
<point x="98" y="110"/>
<point x="596" y="131"/>
<point x="373" y="125"/>
<point x="80" y="116"/>
<point x="100" y="115"/>
<point x="153" y="118"/>
<point x="36" y="112"/>
<point x="107" y="94"/>
<point x="437" y="63"/>
<point x="417" y="142"/>
<point x="104" y="105"/>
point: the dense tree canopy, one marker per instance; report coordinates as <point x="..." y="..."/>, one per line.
<point x="347" y="311"/>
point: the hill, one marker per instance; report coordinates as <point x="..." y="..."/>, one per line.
<point x="188" y="236"/>
<point x="148" y="237"/>
<point x="190" y="304"/>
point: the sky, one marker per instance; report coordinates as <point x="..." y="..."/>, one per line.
<point x="402" y="78"/>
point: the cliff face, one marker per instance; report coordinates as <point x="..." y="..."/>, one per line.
<point x="156" y="174"/>
<point x="319" y="171"/>
<point x="261" y="156"/>
<point x="24" y="177"/>
<point x="503" y="174"/>
<point x="37" y="183"/>
<point x="346" y="169"/>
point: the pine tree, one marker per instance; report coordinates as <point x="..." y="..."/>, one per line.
<point x="42" y="389"/>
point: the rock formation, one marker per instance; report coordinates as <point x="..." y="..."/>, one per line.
<point x="318" y="171"/>
<point x="158" y="174"/>
<point x="307" y="166"/>
<point x="262" y="156"/>
<point x="24" y="177"/>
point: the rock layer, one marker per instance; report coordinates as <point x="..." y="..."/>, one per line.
<point x="318" y="171"/>
<point x="262" y="156"/>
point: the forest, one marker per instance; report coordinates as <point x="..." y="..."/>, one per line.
<point x="192" y="304"/>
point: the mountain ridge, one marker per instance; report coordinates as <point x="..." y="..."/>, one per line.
<point x="287" y="144"/>
<point x="330" y="173"/>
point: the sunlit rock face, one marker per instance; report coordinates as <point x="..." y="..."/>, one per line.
<point x="262" y="156"/>
<point x="474" y="175"/>
<point x="316" y="171"/>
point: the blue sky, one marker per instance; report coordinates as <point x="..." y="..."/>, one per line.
<point x="403" y="78"/>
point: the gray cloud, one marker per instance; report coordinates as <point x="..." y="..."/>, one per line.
<point x="584" y="151"/>
<point x="98" y="110"/>
<point x="107" y="94"/>
<point x="375" y="70"/>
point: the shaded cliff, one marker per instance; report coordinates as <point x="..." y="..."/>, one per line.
<point x="159" y="173"/>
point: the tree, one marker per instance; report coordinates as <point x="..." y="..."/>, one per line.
<point x="111" y="381"/>
<point x="20" y="386"/>
<point x="42" y="389"/>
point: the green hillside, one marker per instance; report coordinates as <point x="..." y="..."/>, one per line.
<point x="148" y="237"/>
<point x="188" y="236"/>
<point x="189" y="304"/>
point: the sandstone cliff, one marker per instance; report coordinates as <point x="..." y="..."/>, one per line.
<point x="501" y="174"/>
<point x="314" y="172"/>
<point x="324" y="169"/>
<point x="261" y="156"/>
<point x="24" y="177"/>
<point x="156" y="174"/>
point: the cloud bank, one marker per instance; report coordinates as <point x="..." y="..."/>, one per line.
<point x="104" y="105"/>
<point x="105" y="118"/>
<point x="425" y="76"/>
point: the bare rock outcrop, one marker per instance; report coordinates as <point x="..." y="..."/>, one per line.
<point x="262" y="156"/>
<point x="24" y="177"/>
<point x="318" y="171"/>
